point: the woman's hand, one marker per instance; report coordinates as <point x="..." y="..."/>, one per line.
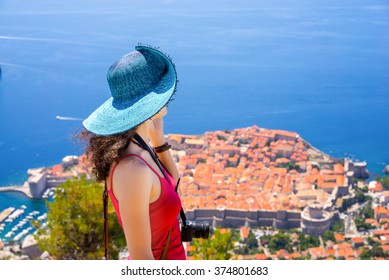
<point x="157" y="138"/>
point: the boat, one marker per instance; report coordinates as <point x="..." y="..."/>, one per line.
<point x="22" y="223"/>
<point x="67" y="118"/>
<point x="16" y="214"/>
<point x="42" y="217"/>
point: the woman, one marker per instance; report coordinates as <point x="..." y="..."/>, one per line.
<point x="141" y="189"/>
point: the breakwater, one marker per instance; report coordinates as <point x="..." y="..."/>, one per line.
<point x="23" y="189"/>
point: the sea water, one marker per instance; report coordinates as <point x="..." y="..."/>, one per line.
<point x="320" y="69"/>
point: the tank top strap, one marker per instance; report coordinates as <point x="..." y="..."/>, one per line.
<point x="126" y="156"/>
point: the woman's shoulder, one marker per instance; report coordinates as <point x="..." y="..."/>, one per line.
<point x="131" y="161"/>
<point x="130" y="173"/>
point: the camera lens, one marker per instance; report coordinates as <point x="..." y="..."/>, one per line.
<point x="200" y="229"/>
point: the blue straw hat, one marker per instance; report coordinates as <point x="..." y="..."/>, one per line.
<point x="142" y="82"/>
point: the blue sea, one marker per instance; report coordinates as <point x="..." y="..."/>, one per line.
<point x="319" y="68"/>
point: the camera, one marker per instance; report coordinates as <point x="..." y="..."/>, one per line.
<point x="194" y="229"/>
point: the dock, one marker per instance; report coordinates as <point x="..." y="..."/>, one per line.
<point x="5" y="213"/>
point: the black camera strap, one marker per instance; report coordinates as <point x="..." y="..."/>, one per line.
<point x="182" y="213"/>
<point x="142" y="143"/>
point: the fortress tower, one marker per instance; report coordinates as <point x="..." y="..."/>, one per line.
<point x="314" y="220"/>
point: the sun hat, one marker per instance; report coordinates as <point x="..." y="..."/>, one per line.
<point x="141" y="82"/>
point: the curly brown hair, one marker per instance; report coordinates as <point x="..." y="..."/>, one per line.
<point x="103" y="150"/>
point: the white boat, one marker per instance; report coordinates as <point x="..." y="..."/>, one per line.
<point x="16" y="214"/>
<point x="9" y="234"/>
<point x="19" y="225"/>
<point x="23" y="207"/>
<point x="42" y="217"/>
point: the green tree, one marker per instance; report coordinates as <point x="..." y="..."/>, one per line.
<point x="251" y="241"/>
<point x="366" y="254"/>
<point x="375" y="252"/>
<point x="346" y="203"/>
<point x="75" y="223"/>
<point x="292" y="166"/>
<point x="280" y="241"/>
<point x="244" y="250"/>
<point x="220" y="137"/>
<point x="362" y="225"/>
<point x="372" y="242"/>
<point x="360" y="196"/>
<point x="384" y="180"/>
<point x="337" y="226"/>
<point x="308" y="241"/>
<point x="328" y="235"/>
<point x="217" y="247"/>
<point x="367" y="211"/>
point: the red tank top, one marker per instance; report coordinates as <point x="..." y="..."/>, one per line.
<point x="163" y="216"/>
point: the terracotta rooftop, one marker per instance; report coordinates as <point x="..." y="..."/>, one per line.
<point x="237" y="174"/>
<point x="339" y="237"/>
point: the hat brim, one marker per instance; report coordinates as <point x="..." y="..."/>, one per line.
<point x="114" y="116"/>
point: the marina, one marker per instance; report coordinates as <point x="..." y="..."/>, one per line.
<point x="15" y="222"/>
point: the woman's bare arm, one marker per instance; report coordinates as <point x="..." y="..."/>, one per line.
<point x="132" y="187"/>
<point x="157" y="138"/>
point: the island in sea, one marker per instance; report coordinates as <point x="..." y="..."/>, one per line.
<point x="261" y="181"/>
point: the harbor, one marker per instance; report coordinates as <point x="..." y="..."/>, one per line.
<point x="16" y="222"/>
<point x="19" y="205"/>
